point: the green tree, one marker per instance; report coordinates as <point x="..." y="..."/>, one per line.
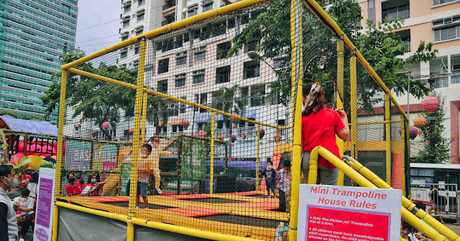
<point x="379" y="44"/>
<point x="94" y="99"/>
<point x="435" y="147"/>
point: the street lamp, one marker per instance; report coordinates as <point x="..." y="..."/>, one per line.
<point x="255" y="56"/>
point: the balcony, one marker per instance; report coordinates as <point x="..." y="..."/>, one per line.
<point x="169" y="9"/>
<point x="400" y="12"/>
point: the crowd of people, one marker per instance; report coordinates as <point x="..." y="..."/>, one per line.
<point x="17" y="206"/>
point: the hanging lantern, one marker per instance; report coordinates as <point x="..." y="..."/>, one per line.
<point x="430" y="104"/>
<point x="194" y="134"/>
<point x="413" y="132"/>
<point x="77" y="126"/>
<point x="233" y="138"/>
<point x="202" y="133"/>
<point x="220" y="137"/>
<point x="277" y="138"/>
<point x="244" y="135"/>
<point x="420" y="122"/>
<point x="185" y="124"/>
<point x="235" y="120"/>
<point x="106" y="125"/>
<point x="261" y="133"/>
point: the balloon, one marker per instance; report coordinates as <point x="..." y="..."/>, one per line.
<point x="202" y="133"/>
<point x="420" y="122"/>
<point x="233" y="138"/>
<point x="106" y="125"/>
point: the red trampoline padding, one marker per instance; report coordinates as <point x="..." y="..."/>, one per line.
<point x="190" y="196"/>
<point x="250" y="193"/>
<point x="108" y="199"/>
<point x="192" y="212"/>
<point x="263" y="205"/>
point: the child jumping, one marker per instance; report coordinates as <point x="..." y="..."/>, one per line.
<point x="144" y="168"/>
<point x="283" y="181"/>
<point x="270" y="179"/>
<point x="154" y="160"/>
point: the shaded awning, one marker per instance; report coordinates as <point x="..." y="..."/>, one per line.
<point x="39" y="127"/>
<point x="250" y="114"/>
<point x="203" y="119"/>
<point x="179" y="122"/>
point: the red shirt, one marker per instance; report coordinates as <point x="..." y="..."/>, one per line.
<point x="72" y="191"/>
<point x="319" y="129"/>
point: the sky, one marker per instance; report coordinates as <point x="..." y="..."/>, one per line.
<point x="97" y="26"/>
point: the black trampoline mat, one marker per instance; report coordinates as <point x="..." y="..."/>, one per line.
<point x="226" y="218"/>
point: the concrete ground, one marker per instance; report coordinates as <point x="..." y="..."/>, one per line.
<point x="453" y="227"/>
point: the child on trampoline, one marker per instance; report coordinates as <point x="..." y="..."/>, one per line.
<point x="144" y="167"/>
<point x="270" y="179"/>
<point x="283" y="181"/>
<point x="319" y="127"/>
<point x="155" y="161"/>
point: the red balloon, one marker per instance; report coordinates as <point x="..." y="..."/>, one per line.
<point x="106" y="125"/>
<point x="430" y="104"/>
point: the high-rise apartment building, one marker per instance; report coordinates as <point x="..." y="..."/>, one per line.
<point x="34" y="34"/>
<point x="436" y="21"/>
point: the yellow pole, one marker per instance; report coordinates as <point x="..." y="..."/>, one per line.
<point x="296" y="80"/>
<point x="405" y="202"/>
<point x="340" y="95"/>
<point x="403" y="154"/>
<point x="313" y="170"/>
<point x="257" y="157"/>
<point x="388" y="139"/>
<point x="60" y="152"/>
<point x="136" y="136"/>
<point x="211" y="168"/>
<point x="144" y="116"/>
<point x="354" y="105"/>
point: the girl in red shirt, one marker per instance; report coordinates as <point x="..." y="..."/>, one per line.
<point x="319" y="127"/>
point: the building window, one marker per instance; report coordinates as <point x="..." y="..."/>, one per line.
<point x="198" y="76"/>
<point x="192" y="12"/>
<point x="178" y="42"/>
<point x="405" y="37"/>
<point x="162" y="86"/>
<point x="449" y="33"/>
<point x="124" y="38"/>
<point x="251" y="45"/>
<point x="174" y="111"/>
<point x="140" y="2"/>
<point x="123" y="54"/>
<point x="258" y="95"/>
<point x="200" y="54"/>
<point x="280" y="63"/>
<point x="126" y="23"/>
<point x="401" y="12"/>
<point x="180" y="80"/>
<point x="65" y="9"/>
<point x="183" y="107"/>
<point x="442" y="82"/>
<point x="251" y="69"/>
<point x="223" y="75"/>
<point x="222" y="50"/>
<point x="245" y="18"/>
<point x="231" y="23"/>
<point x="136" y="49"/>
<point x="203" y="101"/>
<point x="181" y="58"/>
<point x="207" y="7"/>
<point x="127" y="8"/>
<point x="439" y="2"/>
<point x="163" y="66"/>
<point x="140" y="17"/>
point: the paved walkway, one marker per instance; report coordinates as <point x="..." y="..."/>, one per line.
<point x="453" y="227"/>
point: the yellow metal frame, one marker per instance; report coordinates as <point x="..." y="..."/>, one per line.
<point x="211" y="167"/>
<point x="354" y="105"/>
<point x="340" y="94"/>
<point x="406" y="203"/>
<point x="364" y="182"/>
<point x="387" y="139"/>
<point x="296" y="83"/>
<point x="297" y="76"/>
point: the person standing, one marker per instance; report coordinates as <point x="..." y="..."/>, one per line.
<point x="319" y="127"/>
<point x="8" y="222"/>
<point x="270" y="179"/>
<point x="284" y="186"/>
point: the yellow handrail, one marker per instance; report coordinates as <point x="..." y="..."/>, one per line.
<point x="362" y="181"/>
